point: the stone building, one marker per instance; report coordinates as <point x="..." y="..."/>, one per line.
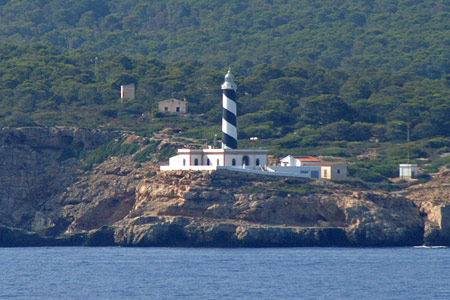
<point x="173" y="105"/>
<point x="128" y="91"/>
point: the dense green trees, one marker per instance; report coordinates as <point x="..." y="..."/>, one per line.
<point x="377" y="35"/>
<point x="273" y="102"/>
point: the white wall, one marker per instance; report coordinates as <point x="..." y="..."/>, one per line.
<point x="213" y="159"/>
<point x="217" y="159"/>
<point x="289" y="161"/>
<point x="193" y="168"/>
<point x="251" y="158"/>
<point x="304" y="171"/>
<point x="407" y="170"/>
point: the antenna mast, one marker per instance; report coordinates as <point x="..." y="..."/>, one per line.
<point x="407" y="138"/>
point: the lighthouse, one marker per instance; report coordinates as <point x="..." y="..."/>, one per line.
<point x="254" y="161"/>
<point x="228" y="157"/>
<point x="229" y="131"/>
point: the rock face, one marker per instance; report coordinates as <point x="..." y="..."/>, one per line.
<point x="36" y="165"/>
<point x="45" y="199"/>
<point x="433" y="200"/>
<point x="216" y="209"/>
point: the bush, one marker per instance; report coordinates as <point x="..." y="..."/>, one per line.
<point x="18" y="119"/>
<point x="336" y="131"/>
<point x="423" y="178"/>
<point x="333" y="151"/>
<point x="401" y="152"/>
<point x="438" y="142"/>
<point x="437" y="163"/>
<point x="143" y="155"/>
<point x="150" y="174"/>
<point x="112" y="113"/>
<point x="166" y="151"/>
<point x="263" y="131"/>
<point x="111" y="148"/>
<point x="69" y="153"/>
<point x="289" y="141"/>
<point x="365" y="174"/>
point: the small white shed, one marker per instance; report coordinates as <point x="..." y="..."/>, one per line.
<point x="407" y="171"/>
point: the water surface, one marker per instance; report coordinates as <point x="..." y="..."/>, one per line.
<point x="213" y="273"/>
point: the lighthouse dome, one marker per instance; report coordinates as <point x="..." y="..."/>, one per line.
<point x="229" y="77"/>
<point x="229" y="81"/>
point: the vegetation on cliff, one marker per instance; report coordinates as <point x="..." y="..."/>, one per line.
<point x="342" y="79"/>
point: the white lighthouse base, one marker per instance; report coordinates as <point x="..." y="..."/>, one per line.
<point x="211" y="159"/>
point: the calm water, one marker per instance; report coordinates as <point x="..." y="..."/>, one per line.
<point x="185" y="273"/>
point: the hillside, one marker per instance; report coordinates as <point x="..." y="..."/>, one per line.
<point x="377" y="35"/>
<point x="303" y="109"/>
<point x="340" y="79"/>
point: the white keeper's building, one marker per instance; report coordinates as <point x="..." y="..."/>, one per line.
<point x="212" y="159"/>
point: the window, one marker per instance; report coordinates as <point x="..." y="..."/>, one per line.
<point x="339" y="171"/>
<point x="218" y="162"/>
<point x="208" y="162"/>
<point x="233" y="162"/>
<point x="178" y="109"/>
<point x="196" y="162"/>
<point x="166" y="108"/>
<point x="257" y="161"/>
<point x="325" y="173"/>
<point x="245" y="160"/>
<point x="184" y="162"/>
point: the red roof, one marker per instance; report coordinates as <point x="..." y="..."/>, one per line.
<point x="329" y="163"/>
<point x="307" y="158"/>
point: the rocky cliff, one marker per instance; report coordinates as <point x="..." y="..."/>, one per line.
<point x="37" y="164"/>
<point x="433" y="200"/>
<point x="45" y="199"/>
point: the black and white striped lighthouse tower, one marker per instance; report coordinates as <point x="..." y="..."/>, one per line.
<point x="229" y="131"/>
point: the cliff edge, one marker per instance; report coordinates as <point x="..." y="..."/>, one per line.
<point x="433" y="200"/>
<point x="46" y="198"/>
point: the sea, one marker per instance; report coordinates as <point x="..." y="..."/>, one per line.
<point x="218" y="273"/>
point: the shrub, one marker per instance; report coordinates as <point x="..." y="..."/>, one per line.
<point x="150" y="174"/>
<point x="437" y="163"/>
<point x="69" y="153"/>
<point x="438" y="142"/>
<point x="423" y="178"/>
<point x="166" y="151"/>
<point x="143" y="155"/>
<point x="18" y="119"/>
<point x="112" y="113"/>
<point x="111" y="148"/>
<point x="365" y="174"/>
<point x="289" y="141"/>
<point x="333" y="151"/>
<point x="261" y="131"/>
